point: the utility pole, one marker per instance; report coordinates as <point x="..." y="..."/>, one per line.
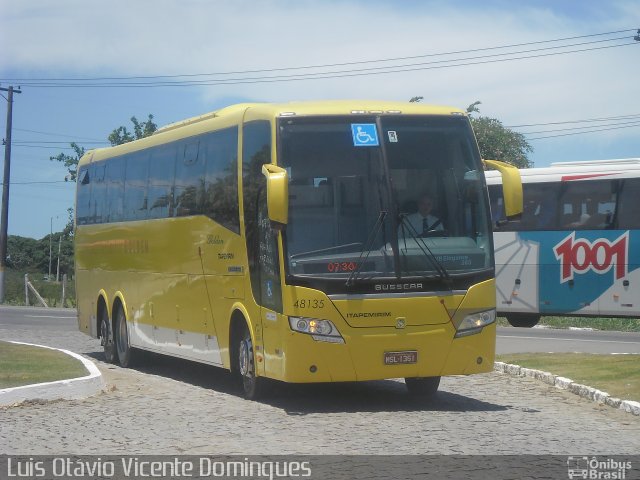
<point x="4" y="218"/>
<point x="59" y="250"/>
<point x="50" y="249"/>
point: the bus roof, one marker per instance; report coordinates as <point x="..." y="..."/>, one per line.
<point x="591" y="163"/>
<point x="326" y="107"/>
<point x="569" y="171"/>
<point x="232" y="115"/>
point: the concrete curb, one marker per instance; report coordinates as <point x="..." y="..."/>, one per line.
<point x="70" y="389"/>
<point x="563" y="383"/>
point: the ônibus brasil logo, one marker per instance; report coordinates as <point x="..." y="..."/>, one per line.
<point x="581" y="255"/>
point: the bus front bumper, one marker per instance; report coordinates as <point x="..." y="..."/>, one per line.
<point x="368" y="354"/>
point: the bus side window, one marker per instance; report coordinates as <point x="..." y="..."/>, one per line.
<point x="189" y="185"/>
<point x="220" y="201"/>
<point x="588" y="205"/>
<point x="161" y="177"/>
<point x="135" y="187"/>
<point x="83" y="202"/>
<point x="629" y="207"/>
<point x="98" y="194"/>
<point x="115" y="190"/>
<point x="496" y="201"/>
<point x="269" y="262"/>
<point x="256" y="148"/>
<point x="539" y="208"/>
<point x="547" y="208"/>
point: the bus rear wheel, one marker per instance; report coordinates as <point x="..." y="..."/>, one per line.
<point x="123" y="347"/>
<point x="422" y="386"/>
<point x="252" y="385"/>
<point x="523" y="320"/>
<point x="106" y="337"/>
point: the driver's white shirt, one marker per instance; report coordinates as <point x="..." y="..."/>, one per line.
<point x="416" y="220"/>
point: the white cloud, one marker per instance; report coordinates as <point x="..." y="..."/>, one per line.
<point x="147" y="37"/>
<point x="66" y="38"/>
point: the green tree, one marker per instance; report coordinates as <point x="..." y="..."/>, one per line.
<point x="140" y="130"/>
<point x="59" y="243"/>
<point x="118" y="136"/>
<point x="70" y="162"/>
<point x="23" y="253"/>
<point x="497" y="142"/>
<point x="68" y="228"/>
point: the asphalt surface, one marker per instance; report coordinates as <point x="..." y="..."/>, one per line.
<point x="524" y="340"/>
<point x="169" y="406"/>
<point x="509" y="340"/>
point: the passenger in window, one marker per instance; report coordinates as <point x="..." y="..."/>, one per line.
<point x="497" y="210"/>
<point x="422" y="221"/>
<point x="581" y="222"/>
<point x="529" y="219"/>
<point x="584" y="219"/>
<point x="546" y="212"/>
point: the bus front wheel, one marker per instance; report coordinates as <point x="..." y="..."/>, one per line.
<point x="252" y="385"/>
<point x="123" y="347"/>
<point x="423" y="386"/>
<point x="523" y="320"/>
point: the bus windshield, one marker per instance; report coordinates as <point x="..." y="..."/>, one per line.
<point x="387" y="196"/>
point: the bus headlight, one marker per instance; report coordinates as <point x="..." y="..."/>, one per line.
<point x="475" y="322"/>
<point x="320" y="330"/>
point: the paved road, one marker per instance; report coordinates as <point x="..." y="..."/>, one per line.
<point x="171" y="406"/>
<point x="520" y="340"/>
<point x="510" y="340"/>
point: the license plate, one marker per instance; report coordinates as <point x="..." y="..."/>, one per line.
<point x="400" y="358"/>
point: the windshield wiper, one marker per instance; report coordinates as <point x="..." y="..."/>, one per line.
<point x="440" y="269"/>
<point x="366" y="250"/>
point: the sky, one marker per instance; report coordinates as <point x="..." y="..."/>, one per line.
<point x="354" y="49"/>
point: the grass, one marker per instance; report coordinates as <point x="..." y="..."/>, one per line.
<point x="597" y="323"/>
<point x="50" y="291"/>
<point x="618" y="375"/>
<point x="25" y="365"/>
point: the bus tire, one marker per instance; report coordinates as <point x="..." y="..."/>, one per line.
<point x="106" y="336"/>
<point x="252" y="385"/>
<point x="121" y="337"/>
<point x="422" y="386"/>
<point x="523" y="320"/>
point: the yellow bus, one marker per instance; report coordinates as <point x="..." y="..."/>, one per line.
<point x="280" y="241"/>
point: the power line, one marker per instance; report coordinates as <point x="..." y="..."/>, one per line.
<point x="47" y="142"/>
<point x="583" y="132"/>
<point x="50" y="182"/>
<point x="466" y="61"/>
<point x="318" y="76"/>
<point x="331" y="65"/>
<point x="634" y="115"/>
<point x="43" y="146"/>
<point x="57" y="134"/>
<point x="617" y="124"/>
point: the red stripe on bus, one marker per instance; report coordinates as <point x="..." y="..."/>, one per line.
<point x="566" y="178"/>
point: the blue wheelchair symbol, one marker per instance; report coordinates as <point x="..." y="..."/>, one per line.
<point x="364" y="135"/>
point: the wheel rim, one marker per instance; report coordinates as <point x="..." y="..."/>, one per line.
<point x="122" y="341"/>
<point x="245" y="358"/>
<point x="104" y="332"/>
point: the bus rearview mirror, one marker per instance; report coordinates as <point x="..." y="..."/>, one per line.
<point x="277" y="194"/>
<point x="511" y="187"/>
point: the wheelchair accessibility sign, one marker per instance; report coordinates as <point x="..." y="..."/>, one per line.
<point x="364" y="135"/>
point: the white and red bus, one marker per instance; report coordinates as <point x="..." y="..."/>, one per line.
<point x="576" y="249"/>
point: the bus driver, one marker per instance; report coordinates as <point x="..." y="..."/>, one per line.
<point x="422" y="221"/>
